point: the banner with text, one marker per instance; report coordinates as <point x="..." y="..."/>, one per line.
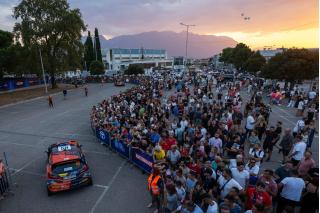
<point x="142" y="159"/>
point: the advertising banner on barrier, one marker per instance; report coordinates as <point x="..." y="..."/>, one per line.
<point x="142" y="159"/>
<point x="120" y="147"/>
<point x="103" y="136"/>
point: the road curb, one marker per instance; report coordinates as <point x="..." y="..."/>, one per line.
<point x="32" y="99"/>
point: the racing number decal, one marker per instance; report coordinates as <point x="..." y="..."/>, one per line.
<point x="64" y="148"/>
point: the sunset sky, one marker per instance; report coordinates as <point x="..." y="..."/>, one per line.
<point x="275" y="23"/>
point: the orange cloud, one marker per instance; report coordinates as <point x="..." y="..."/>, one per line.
<point x="308" y="38"/>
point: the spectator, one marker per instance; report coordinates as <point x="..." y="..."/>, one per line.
<point x="230" y="202"/>
<point x="286" y="144"/>
<point x="210" y="205"/>
<point x="270" y="184"/>
<point x="171" y="198"/>
<point x="226" y="183"/>
<point x="249" y="124"/>
<point x="284" y="171"/>
<point x="297" y="151"/>
<point x="291" y="191"/>
<point x="181" y="192"/>
<point x="257" y="153"/>
<point x="173" y="155"/>
<point x="158" y="154"/>
<point x="306" y="164"/>
<point x="253" y="139"/>
<point x="258" y="195"/>
<point x="253" y="170"/>
<point x="240" y="175"/>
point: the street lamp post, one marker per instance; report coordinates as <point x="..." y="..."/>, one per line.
<point x="44" y="79"/>
<point x="187" y="25"/>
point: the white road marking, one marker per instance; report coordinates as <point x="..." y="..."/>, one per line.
<point x="284" y="111"/>
<point x="287" y="119"/>
<point x="28" y="172"/>
<point x="107" y="188"/>
<point x="101" y="186"/>
<point x="26" y="165"/>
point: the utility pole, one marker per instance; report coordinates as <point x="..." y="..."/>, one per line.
<point x="44" y="79"/>
<point x="187" y="25"/>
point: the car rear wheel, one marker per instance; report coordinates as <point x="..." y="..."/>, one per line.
<point x="49" y="192"/>
<point x="90" y="182"/>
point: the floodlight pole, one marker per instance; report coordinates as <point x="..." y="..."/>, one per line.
<point x="187" y="39"/>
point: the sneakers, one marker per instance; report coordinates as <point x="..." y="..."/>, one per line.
<point x="150" y="205"/>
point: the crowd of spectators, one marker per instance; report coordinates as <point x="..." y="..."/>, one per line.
<point x="209" y="146"/>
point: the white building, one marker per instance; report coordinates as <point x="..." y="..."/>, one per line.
<point x="120" y="58"/>
<point x="268" y="53"/>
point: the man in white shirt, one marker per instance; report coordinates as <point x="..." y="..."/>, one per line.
<point x="253" y="170"/>
<point x="298" y="150"/>
<point x="226" y="183"/>
<point x="312" y="94"/>
<point x="240" y="175"/>
<point x="212" y="205"/>
<point x="292" y="188"/>
<point x="216" y="142"/>
<point x="174" y="155"/>
<point x="183" y="123"/>
<point x="203" y="132"/>
<point x="249" y="124"/>
<point x="298" y="127"/>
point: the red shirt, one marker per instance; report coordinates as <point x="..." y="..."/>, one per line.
<point x="167" y="143"/>
<point x="257" y="197"/>
<point x="194" y="167"/>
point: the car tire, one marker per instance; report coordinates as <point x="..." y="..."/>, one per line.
<point x="49" y="192"/>
<point x="90" y="183"/>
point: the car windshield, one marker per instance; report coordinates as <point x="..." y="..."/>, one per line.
<point x="66" y="167"/>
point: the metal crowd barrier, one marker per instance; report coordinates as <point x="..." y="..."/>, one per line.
<point x="5" y="178"/>
<point x="136" y="156"/>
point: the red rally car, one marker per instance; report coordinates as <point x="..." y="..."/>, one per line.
<point x="66" y="167"/>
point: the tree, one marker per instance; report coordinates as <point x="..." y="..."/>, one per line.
<point x="254" y="63"/>
<point x="97" y="45"/>
<point x="6" y="40"/>
<point x="226" y="55"/>
<point x="240" y="54"/>
<point x="134" y="69"/>
<point x="292" y="65"/>
<point x="52" y="27"/>
<point x="96" y="68"/>
<point x="89" y="54"/>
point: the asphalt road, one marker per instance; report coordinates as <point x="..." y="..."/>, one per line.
<point x="27" y="129"/>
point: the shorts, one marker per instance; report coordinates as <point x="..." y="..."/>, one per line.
<point x="268" y="146"/>
<point x="294" y="162"/>
<point x="285" y="152"/>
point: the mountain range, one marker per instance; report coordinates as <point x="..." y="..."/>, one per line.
<point x="199" y="46"/>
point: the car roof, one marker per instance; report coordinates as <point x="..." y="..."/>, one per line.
<point x="64" y="151"/>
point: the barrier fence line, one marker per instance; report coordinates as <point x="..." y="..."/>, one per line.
<point x="134" y="155"/>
